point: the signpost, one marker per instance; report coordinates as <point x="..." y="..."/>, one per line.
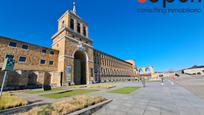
<point x="68" y="73"/>
<point x="8" y="65"/>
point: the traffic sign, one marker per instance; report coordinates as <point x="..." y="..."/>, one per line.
<point x="9" y="63"/>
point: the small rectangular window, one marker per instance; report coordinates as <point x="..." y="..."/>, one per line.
<point x="72" y="24"/>
<point x="63" y="24"/>
<point x="9" y="56"/>
<point x="52" y="52"/>
<point x="92" y="72"/>
<point x="44" y="51"/>
<point x="78" y="27"/>
<point x="51" y="62"/>
<point x="25" y="47"/>
<point x="84" y="31"/>
<point x="22" y="59"/>
<point x="42" y="61"/>
<point x="12" y="44"/>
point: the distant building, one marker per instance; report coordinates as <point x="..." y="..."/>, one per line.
<point x="195" y="70"/>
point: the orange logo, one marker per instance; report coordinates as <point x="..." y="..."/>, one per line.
<point x="165" y="2"/>
<point x="141" y="1"/>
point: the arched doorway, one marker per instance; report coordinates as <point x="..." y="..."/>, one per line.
<point x="141" y="71"/>
<point x="148" y="71"/>
<point x="32" y="80"/>
<point x="79" y="68"/>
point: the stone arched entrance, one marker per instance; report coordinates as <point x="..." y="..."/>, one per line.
<point x="141" y="71"/>
<point x="32" y="79"/>
<point x="80" y="68"/>
<point x="147" y="71"/>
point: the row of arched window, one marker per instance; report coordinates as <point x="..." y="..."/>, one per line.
<point x="78" y="27"/>
<point x="106" y="65"/>
<point x="111" y="72"/>
<point x="104" y="60"/>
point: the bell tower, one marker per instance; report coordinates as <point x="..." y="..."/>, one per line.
<point x="75" y="49"/>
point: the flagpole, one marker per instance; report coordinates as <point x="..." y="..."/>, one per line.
<point x="2" y="85"/>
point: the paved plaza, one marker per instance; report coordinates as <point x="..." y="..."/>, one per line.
<point x="154" y="99"/>
<point x="195" y="84"/>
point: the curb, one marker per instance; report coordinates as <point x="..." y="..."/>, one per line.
<point x="86" y="111"/>
<point x="20" y="109"/>
<point x="91" y="109"/>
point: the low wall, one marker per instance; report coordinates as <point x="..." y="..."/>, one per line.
<point x="21" y="79"/>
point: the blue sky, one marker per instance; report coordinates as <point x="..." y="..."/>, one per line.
<point x="165" y="41"/>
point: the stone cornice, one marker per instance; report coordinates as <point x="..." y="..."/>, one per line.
<point x="67" y="29"/>
<point x="72" y="39"/>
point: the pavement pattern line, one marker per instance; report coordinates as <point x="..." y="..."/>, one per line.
<point x="153" y="100"/>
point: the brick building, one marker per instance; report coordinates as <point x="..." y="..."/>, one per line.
<point x="110" y="68"/>
<point x="35" y="65"/>
<point x="71" y="60"/>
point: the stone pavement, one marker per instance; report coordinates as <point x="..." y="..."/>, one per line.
<point x="35" y="98"/>
<point x="153" y="100"/>
<point x="195" y="84"/>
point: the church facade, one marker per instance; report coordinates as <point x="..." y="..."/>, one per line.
<point x="71" y="60"/>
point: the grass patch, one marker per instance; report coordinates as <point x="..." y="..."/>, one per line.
<point x="101" y="86"/>
<point x="93" y="86"/>
<point x="68" y="93"/>
<point x="9" y="101"/>
<point x="77" y="86"/>
<point x="42" y="91"/>
<point x="65" y="107"/>
<point x="125" y="90"/>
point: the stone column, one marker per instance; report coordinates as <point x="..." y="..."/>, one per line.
<point x="75" y="25"/>
<point x="40" y="78"/>
<point x="81" y="27"/>
<point x="87" y="32"/>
